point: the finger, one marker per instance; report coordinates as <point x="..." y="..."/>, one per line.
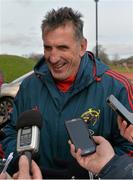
<point x="130" y="139"/>
<point x="83" y="161"/>
<point x="24" y="167"/>
<point x="72" y="150"/>
<point x="15" y="175"/>
<point x="99" y="139"/>
<point x="119" y="121"/>
<point x="36" y="173"/>
<point x="122" y="124"/>
<point x="24" y="163"/>
<point x="123" y="127"/>
<point x="3" y="176"/>
<point x="78" y="155"/>
<point x="129" y="130"/>
<point x="69" y="142"/>
<point x="129" y="133"/>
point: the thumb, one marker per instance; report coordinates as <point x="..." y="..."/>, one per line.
<point x="99" y="139"/>
<point x="36" y="172"/>
<point x="23" y="167"/>
<point x="3" y="176"/>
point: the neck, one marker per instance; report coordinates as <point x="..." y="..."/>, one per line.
<point x="65" y="85"/>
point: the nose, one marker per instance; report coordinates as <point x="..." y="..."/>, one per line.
<point x="54" y="56"/>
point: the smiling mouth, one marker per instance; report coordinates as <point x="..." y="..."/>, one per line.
<point x="59" y="66"/>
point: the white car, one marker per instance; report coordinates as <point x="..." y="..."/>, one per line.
<point x="7" y="93"/>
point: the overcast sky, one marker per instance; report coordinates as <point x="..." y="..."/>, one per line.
<point x="20" y="22"/>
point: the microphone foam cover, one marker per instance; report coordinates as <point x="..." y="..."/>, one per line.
<point x="29" y="118"/>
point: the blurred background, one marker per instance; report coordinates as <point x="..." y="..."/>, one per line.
<point x="108" y="27"/>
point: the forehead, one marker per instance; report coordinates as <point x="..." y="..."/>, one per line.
<point x="65" y="31"/>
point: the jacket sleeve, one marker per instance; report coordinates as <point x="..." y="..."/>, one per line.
<point x="119" y="167"/>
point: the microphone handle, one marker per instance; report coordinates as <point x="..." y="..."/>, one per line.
<point x="28" y="154"/>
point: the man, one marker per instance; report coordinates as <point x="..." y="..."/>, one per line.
<point x="68" y="83"/>
<point x="104" y="163"/>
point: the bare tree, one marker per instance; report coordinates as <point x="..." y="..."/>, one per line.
<point x="102" y="55"/>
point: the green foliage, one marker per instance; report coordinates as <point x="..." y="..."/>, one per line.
<point x="120" y="68"/>
<point x="15" y="66"/>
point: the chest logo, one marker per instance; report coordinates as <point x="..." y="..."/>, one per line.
<point x="91" y="116"/>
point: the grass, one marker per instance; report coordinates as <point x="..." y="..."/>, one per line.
<point x="15" y="66"/>
<point x="122" y="69"/>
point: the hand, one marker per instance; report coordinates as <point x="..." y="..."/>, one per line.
<point x="3" y="176"/>
<point x="96" y="161"/>
<point x="125" y="130"/>
<point x="24" y="170"/>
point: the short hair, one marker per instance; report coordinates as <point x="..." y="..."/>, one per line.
<point x="61" y="16"/>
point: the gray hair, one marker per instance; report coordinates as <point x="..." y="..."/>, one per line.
<point x="57" y="18"/>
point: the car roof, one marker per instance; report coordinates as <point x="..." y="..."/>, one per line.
<point x="21" y="78"/>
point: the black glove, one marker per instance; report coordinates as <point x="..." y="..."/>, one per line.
<point x="67" y="170"/>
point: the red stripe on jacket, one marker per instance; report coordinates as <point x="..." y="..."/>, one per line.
<point x="126" y="83"/>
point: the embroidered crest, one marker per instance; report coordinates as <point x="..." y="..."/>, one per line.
<point x="91" y="115"/>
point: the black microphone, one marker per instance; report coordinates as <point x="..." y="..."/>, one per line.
<point x="28" y="125"/>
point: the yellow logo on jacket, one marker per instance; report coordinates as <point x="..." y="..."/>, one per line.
<point x="91" y="115"/>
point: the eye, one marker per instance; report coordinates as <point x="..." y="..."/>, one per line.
<point x="63" y="47"/>
<point x="48" y="48"/>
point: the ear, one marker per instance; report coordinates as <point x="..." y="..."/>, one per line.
<point x="83" y="47"/>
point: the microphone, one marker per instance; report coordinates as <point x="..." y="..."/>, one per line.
<point x="28" y="125"/>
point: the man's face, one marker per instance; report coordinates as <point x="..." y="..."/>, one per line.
<point x="63" y="52"/>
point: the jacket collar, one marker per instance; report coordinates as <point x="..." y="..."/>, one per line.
<point x="90" y="70"/>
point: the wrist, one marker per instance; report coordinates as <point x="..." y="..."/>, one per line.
<point x="107" y="166"/>
<point x="102" y="163"/>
